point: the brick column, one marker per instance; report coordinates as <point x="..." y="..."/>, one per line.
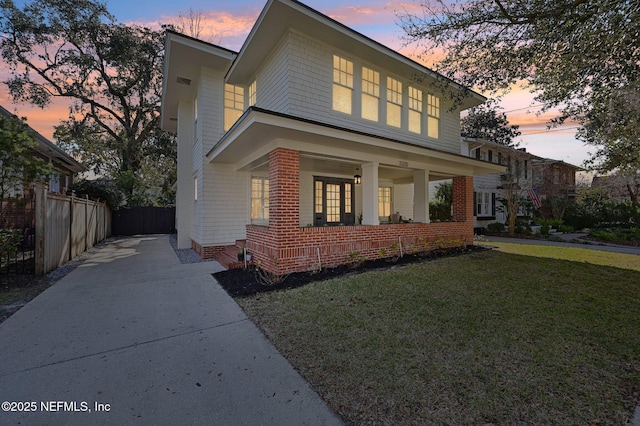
<point x="463" y="199"/>
<point x="284" y="189"/>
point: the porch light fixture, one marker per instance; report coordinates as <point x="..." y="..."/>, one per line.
<point x="357" y="178"/>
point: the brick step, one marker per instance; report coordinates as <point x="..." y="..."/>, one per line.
<point x="228" y="258"/>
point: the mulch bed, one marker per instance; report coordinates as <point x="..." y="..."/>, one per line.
<point x="240" y="283"/>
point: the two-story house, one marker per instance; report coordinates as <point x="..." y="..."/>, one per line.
<point x="489" y="189"/>
<point x="308" y="140"/>
<point x="530" y="176"/>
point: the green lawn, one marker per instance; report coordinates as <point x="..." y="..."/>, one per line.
<point x="486" y="338"/>
<point x="575" y="254"/>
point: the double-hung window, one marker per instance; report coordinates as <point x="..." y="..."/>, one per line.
<point x="394" y="102"/>
<point x="384" y="201"/>
<point x="259" y="198"/>
<point x="342" y="84"/>
<point x="485" y="204"/>
<point x="415" y="110"/>
<point x="433" y="114"/>
<point x="233" y="104"/>
<point x="252" y="93"/>
<point x="370" y="94"/>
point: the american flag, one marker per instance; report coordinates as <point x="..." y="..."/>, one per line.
<point x="535" y="199"/>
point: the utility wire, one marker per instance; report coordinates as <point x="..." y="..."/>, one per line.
<point x="549" y="131"/>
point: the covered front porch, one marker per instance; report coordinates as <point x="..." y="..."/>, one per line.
<point x="314" y="215"/>
<point x="284" y="246"/>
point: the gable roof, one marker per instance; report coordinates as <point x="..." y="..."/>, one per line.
<point x="184" y="57"/>
<point x="50" y="150"/>
<point x="279" y="16"/>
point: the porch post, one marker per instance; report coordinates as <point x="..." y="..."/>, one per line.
<point x="421" y="196"/>
<point x="284" y="189"/>
<point x="463" y="199"/>
<point x="370" y="194"/>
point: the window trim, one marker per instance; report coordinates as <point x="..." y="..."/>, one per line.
<point x="264" y="200"/>
<point x="390" y="201"/>
<point x="433" y="116"/>
<point x="370" y="89"/>
<point x="238" y="107"/>
<point x="482" y="210"/>
<point x="342" y="80"/>
<point x="418" y="102"/>
<point x="394" y="99"/>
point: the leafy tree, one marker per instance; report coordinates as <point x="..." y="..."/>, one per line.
<point x="101" y="189"/>
<point x="580" y="56"/>
<point x="512" y="193"/>
<point x="440" y="207"/>
<point x="17" y="163"/>
<point x="485" y="122"/>
<point x="75" y="49"/>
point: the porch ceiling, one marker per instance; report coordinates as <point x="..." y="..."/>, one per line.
<point x="330" y="149"/>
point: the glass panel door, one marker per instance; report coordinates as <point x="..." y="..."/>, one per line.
<point x="333" y="201"/>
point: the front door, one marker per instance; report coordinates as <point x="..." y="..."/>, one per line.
<point x="333" y="201"/>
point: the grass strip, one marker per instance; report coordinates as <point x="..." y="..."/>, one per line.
<point x="573" y="254"/>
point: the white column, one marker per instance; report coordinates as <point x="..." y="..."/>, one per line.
<point x="421" y="196"/>
<point x="370" y="194"/>
<point x="185" y="190"/>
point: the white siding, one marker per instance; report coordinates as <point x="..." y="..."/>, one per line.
<point x="207" y="218"/>
<point x="225" y="205"/>
<point x="273" y="80"/>
<point x="403" y="200"/>
<point x="310" y="73"/>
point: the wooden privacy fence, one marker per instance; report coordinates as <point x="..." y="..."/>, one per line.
<point x="66" y="226"/>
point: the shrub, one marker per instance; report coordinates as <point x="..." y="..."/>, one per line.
<point x="566" y="229"/>
<point x="495" y="227"/>
<point x="9" y="242"/>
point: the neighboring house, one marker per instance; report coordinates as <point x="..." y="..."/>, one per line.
<point x="63" y="166"/>
<point x="487" y="188"/>
<point x="309" y="139"/>
<point x="555" y="182"/>
<point x="537" y="178"/>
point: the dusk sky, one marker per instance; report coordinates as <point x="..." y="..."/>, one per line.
<point x="228" y="23"/>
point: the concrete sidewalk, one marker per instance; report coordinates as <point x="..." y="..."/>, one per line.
<point x="132" y="336"/>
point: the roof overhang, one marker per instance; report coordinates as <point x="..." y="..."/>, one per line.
<point x="183" y="59"/>
<point x="281" y="16"/>
<point x="57" y="155"/>
<point x="258" y="131"/>
<point x="48" y="149"/>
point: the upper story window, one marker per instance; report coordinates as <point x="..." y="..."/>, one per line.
<point x="433" y="114"/>
<point x="370" y="94"/>
<point x="415" y="110"/>
<point x="342" y="84"/>
<point x="394" y="102"/>
<point x="233" y="104"/>
<point x="252" y="93"/>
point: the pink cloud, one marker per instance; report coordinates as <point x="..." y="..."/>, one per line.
<point x="217" y="27"/>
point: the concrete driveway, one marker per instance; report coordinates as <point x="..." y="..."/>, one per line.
<point x="132" y="336"/>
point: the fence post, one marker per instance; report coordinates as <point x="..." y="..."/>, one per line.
<point x="86" y="222"/>
<point x="71" y="204"/>
<point x="40" y="219"/>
